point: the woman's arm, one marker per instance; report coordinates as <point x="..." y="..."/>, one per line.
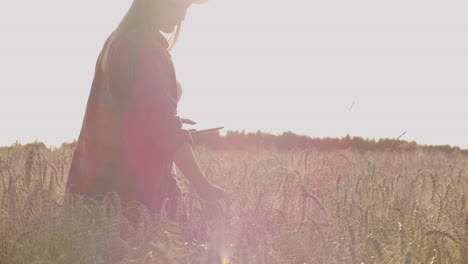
<point x="153" y="123"/>
<point x="187" y="164"/>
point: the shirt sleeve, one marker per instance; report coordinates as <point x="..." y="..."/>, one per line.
<point x="151" y="114"/>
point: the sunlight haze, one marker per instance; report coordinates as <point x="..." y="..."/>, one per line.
<point x="372" y="69"/>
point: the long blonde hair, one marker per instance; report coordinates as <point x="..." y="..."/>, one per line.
<point x="140" y="17"/>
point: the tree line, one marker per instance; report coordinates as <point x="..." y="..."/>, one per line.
<point x="289" y="140"/>
<point x="242" y="140"/>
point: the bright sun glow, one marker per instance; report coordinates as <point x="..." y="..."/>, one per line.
<point x="323" y="68"/>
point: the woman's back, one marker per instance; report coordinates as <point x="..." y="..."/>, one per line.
<point x="130" y="113"/>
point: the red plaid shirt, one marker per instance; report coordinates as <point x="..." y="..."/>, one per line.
<point x="131" y="130"/>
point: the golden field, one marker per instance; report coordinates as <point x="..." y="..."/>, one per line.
<point x="301" y="206"/>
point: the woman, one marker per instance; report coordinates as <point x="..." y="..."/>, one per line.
<point x="131" y="134"/>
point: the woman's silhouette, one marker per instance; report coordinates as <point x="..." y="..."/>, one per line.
<point x="131" y="134"/>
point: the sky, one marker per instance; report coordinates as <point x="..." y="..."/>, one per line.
<point x="367" y="68"/>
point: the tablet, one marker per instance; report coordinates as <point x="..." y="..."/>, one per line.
<point x="206" y="130"/>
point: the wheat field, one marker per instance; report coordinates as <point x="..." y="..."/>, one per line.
<point x="300" y="206"/>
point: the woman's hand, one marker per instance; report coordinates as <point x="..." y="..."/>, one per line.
<point x="187" y="164"/>
<point x="211" y="193"/>
<point x="212" y="209"/>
